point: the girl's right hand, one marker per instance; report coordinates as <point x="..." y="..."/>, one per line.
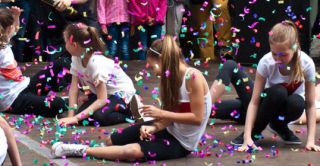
<point x="246" y="144"/>
<point x="104" y="29"/>
<point x="146" y="132"/>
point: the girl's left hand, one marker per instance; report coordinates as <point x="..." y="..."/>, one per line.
<point x="152" y="111"/>
<point x="312" y="146"/>
<point x="16" y="11"/>
<point x="68" y="121"/>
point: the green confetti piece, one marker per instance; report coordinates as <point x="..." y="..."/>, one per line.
<point x="85" y="123"/>
<point x="228" y="88"/>
<point x="35" y="161"/>
<point x="182" y="35"/>
<point x="238" y="82"/>
<point x="140" y="83"/>
<point x="263" y="94"/>
<point x="235" y="70"/>
<point x="309" y="9"/>
<point x="253" y="56"/>
<point x="136" y="50"/>
<point x="261" y="19"/>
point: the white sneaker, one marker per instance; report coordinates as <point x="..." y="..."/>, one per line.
<point x="60" y="149"/>
<point x="136" y="108"/>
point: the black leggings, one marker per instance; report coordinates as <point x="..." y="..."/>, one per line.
<point x="36" y="99"/>
<point x="278" y="108"/>
<point x="234" y="109"/>
<point x="113" y="113"/>
<point x="274" y="106"/>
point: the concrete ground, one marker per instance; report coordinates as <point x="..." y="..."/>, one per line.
<point x="35" y="135"/>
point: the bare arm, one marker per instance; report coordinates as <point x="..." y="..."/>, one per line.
<point x="196" y="95"/>
<point x="73" y="96"/>
<point x="253" y="105"/>
<point x="310" y="112"/>
<point x="99" y="103"/>
<point x="12" y="145"/>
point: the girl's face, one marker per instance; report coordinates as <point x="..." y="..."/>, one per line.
<point x="72" y="47"/>
<point x="281" y="53"/>
<point x="154" y="65"/>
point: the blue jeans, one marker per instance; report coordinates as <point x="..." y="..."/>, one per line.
<point x="146" y="37"/>
<point x="18" y="46"/>
<point x="119" y="45"/>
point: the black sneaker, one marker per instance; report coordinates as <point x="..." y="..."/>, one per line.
<point x="238" y="141"/>
<point x="285" y="134"/>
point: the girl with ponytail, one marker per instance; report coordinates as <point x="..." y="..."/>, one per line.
<point x="179" y="123"/>
<point x="108" y="88"/>
<point x="284" y="86"/>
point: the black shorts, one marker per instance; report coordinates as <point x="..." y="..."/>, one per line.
<point x="163" y="147"/>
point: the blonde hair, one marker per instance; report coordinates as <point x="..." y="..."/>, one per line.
<point x="86" y="36"/>
<point x="286" y="31"/>
<point x="6" y="20"/>
<point x="170" y="57"/>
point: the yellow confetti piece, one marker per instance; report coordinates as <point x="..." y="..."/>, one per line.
<point x="85" y="87"/>
<point x="245" y="79"/>
<point x="138" y="78"/>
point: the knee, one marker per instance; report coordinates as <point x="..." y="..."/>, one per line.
<point x="277" y="93"/>
<point x="109" y="141"/>
<point x="132" y="151"/>
<point x="296" y="103"/>
<point x="230" y="64"/>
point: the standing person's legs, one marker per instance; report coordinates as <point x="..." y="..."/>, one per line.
<point x="204" y="25"/>
<point x="143" y="32"/>
<point x="223" y="23"/>
<point x="113" y="31"/>
<point x="155" y="33"/>
<point x="174" y="18"/>
<point x="124" y="41"/>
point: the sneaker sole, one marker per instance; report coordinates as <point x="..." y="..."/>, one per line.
<point x="53" y="148"/>
<point x="286" y="142"/>
<point x="235" y="144"/>
<point x="135" y="110"/>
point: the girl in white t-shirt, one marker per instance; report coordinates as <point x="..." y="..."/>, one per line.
<point x="108" y="88"/>
<point x="179" y="124"/>
<point x="284" y="86"/>
<point x="8" y="144"/>
<point x="20" y="94"/>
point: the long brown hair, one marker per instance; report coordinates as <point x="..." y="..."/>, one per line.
<point x="286" y="31"/>
<point x="170" y="57"/>
<point x="6" y="20"/>
<point x="86" y="36"/>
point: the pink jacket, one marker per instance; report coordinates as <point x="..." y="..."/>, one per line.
<point x="140" y="10"/>
<point x="112" y="11"/>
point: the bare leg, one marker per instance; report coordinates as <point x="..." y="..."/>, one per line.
<point x="125" y="152"/>
<point x="303" y="119"/>
<point x="217" y="90"/>
<point x="318" y="92"/>
<point x="12" y="145"/>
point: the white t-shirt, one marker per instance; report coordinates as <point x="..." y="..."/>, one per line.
<point x="100" y="68"/>
<point x="12" y="82"/>
<point x="3" y="145"/>
<point x="269" y="69"/>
